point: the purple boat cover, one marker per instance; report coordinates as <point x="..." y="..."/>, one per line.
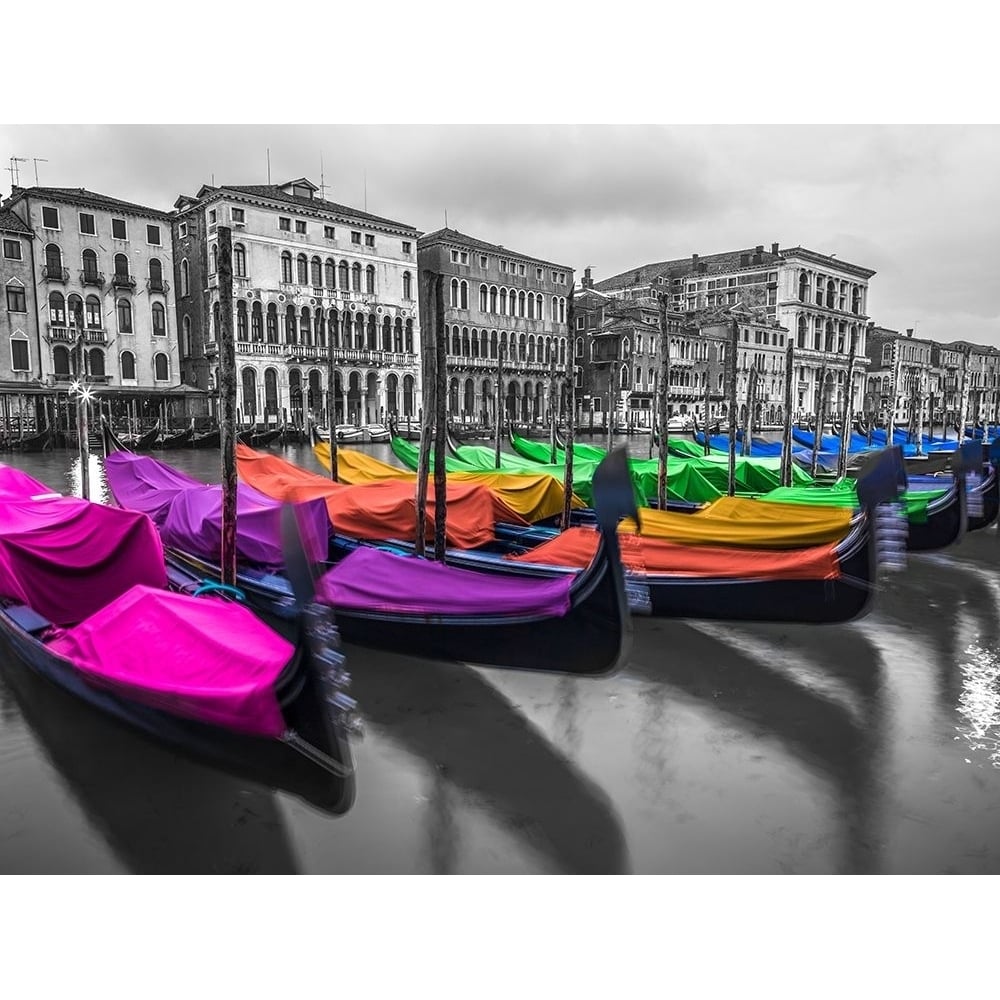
<point x="18" y="485"/>
<point x="200" y="658"/>
<point x="373" y="580"/>
<point x="189" y="513"/>
<point x="66" y="557"/>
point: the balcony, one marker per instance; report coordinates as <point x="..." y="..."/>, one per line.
<point x="123" y="281"/>
<point x="60" y="274"/>
<point x="95" y="336"/>
<point x="95" y="278"/>
<point x="157" y="285"/>
<point x="61" y="334"/>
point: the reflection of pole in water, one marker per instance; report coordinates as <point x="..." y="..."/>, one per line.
<point x="567" y="714"/>
<point x="442" y="830"/>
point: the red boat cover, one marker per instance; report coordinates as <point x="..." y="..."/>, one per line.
<point x="652" y="556"/>
<point x="200" y="658"/>
<point x="15" y="484"/>
<point x="67" y="557"/>
<point x="370" y="580"/>
<point x="380" y="510"/>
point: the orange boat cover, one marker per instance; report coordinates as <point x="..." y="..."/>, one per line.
<point x="652" y="556"/>
<point x="380" y="510"/>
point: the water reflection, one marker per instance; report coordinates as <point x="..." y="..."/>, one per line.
<point x="979" y="703"/>
<point x="708" y="664"/>
<point x="158" y="811"/>
<point x="477" y="743"/>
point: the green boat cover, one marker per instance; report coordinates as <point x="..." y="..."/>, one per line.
<point x="845" y="494"/>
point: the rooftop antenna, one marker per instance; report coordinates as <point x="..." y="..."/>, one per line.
<point x="268" y="164"/>
<point x="37" y="160"/>
<point x="322" y="180"/>
<point x="446" y="218"/>
<point x="13" y="170"/>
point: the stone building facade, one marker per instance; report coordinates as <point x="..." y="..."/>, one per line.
<point x="20" y="346"/>
<point x="310" y="277"/>
<point x="105" y="307"/>
<point x="820" y="299"/>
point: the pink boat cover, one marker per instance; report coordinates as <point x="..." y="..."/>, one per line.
<point x="189" y="513"/>
<point x="15" y="485"/>
<point x="372" y="580"/>
<point x="197" y="657"/>
<point x="67" y="557"/>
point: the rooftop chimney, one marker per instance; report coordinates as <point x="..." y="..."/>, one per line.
<point x="774" y="249"/>
<point x="759" y="248"/>
<point x="587" y="280"/>
<point x="694" y="261"/>
<point x="909" y="331"/>
<point x="744" y="259"/>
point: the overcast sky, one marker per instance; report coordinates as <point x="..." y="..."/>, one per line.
<point x="918" y="204"/>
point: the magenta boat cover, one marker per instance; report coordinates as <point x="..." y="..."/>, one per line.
<point x="373" y="580"/>
<point x="67" y="557"/>
<point x="189" y="513"/>
<point x="197" y="657"/>
<point x="15" y="484"/>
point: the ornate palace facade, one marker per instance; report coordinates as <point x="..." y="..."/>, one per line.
<point x="309" y="277"/>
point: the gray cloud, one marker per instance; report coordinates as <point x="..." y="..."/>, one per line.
<point x="916" y="203"/>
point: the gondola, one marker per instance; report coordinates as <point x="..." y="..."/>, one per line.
<point x="180" y="440"/>
<point x="253" y="439"/>
<point x="144" y="442"/>
<point x="34" y="443"/>
<point x="222" y="685"/>
<point x="572" y="622"/>
<point x="209" y="439"/>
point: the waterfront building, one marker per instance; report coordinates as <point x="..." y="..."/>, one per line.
<point x="504" y="306"/>
<point x="821" y="300"/>
<point x="310" y="277"/>
<point x="102" y="309"/>
<point x="901" y="375"/>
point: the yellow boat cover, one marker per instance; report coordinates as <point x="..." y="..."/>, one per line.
<point x="747" y="523"/>
<point x="533" y="497"/>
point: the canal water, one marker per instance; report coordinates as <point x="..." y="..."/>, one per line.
<point x="871" y="747"/>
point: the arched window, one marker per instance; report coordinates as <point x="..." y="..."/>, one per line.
<point x="272" y="323"/>
<point x="185" y="277"/>
<point x="831" y="294"/>
<point x="60" y="360"/>
<point x="803" y="287"/>
<point x="456" y="342"/>
<point x="185" y="341"/>
<point x="286" y="268"/>
<point x="453" y="300"/>
<point x="803" y="331"/>
<point x="408" y="346"/>
<point x="554" y="315"/>
<point x="213" y="257"/>
<point x="155" y="275"/>
<point x="291" y="331"/>
<point x="161" y="368"/>
<point x="356" y="277"/>
<point x="95" y="359"/>
<point x="370" y="279"/>
<point x="372" y="341"/>
<point x="124" y="309"/>
<point x="483" y="298"/>
<point x="562" y="310"/>
<point x="317" y="272"/>
<point x="248" y="378"/>
<point x="331" y="273"/>
<point x="493" y="298"/>
<point x="121" y="265"/>
<point x="239" y="260"/>
<point x="160" y="320"/>
<point x="855" y="299"/>
<point x="520" y="304"/>
<point x="302" y="269"/>
<point x="128" y="362"/>
<point x="74" y="311"/>
<point x="89" y="264"/>
<point x="344" y="276"/>
<point x="242" y="331"/>
<point x="20" y="353"/>
<point x="407" y="285"/>
<point x="256" y="323"/>
<point x="216" y="322"/>
<point x="306" y="326"/>
<point x="503" y="301"/>
<point x="57" y="309"/>
<point x="578" y="347"/>
<point x="93" y="311"/>
<point x="464" y="299"/>
<point x="53" y="261"/>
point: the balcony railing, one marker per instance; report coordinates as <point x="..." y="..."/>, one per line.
<point x="305" y="353"/>
<point x="96" y="336"/>
<point x="157" y="285"/>
<point x="61" y="333"/>
<point x="55" y="273"/>
<point x="123" y="281"/>
<point x="95" y="278"/>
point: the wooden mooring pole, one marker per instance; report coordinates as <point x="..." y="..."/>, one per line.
<point x="570" y="422"/>
<point x="227" y="393"/>
<point x="662" y="416"/>
<point x="440" y="426"/>
<point x="731" y="368"/>
<point x="786" y="427"/>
